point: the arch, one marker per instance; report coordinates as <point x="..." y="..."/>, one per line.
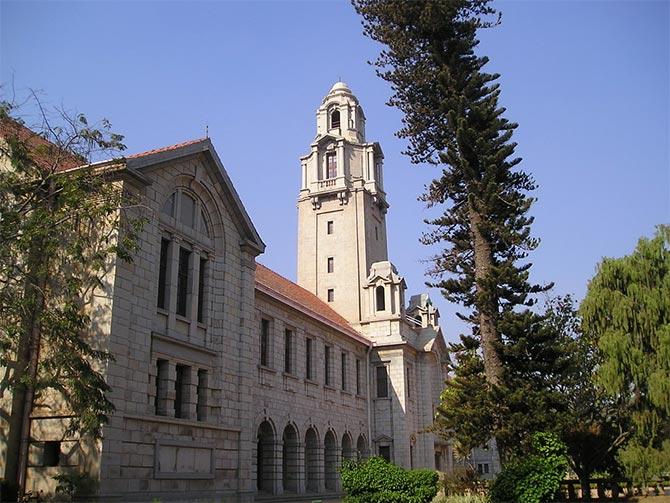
<point x="312" y="461"/>
<point x="362" y="447"/>
<point x="265" y="458"/>
<point x="290" y="458"/>
<point x="347" y="447"/>
<point x="380" y="298"/>
<point x="330" y="461"/>
<point x="335" y="119"/>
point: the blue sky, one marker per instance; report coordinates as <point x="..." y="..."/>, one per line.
<point x="588" y="83"/>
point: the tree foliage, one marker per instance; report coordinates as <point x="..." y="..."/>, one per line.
<point x="627" y="312"/>
<point x="452" y="119"/>
<point x="62" y="227"/>
<point x="535" y="479"/>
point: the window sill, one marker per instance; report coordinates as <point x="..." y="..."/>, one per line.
<point x="162" y="311"/>
<point x="382" y="398"/>
<point x="329" y="387"/>
<point x="289" y="375"/>
<point x="269" y="370"/>
<point x="182" y="318"/>
<point x="202" y="325"/>
<point x="345" y="392"/>
<point x="311" y="381"/>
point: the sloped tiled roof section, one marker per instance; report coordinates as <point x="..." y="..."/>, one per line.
<point x="285" y="290"/>
<point x="167" y="149"/>
<point x="45" y="154"/>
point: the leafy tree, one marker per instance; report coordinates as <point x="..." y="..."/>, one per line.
<point x="62" y="226"/>
<point x="536" y="478"/>
<point x="452" y="119"/>
<point x="627" y="312"/>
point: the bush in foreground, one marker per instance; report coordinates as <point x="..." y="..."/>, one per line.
<point x="378" y="481"/>
<point x="537" y="478"/>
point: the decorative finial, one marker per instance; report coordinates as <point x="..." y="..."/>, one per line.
<point x="206" y="131"/>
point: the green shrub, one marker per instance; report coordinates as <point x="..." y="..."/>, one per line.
<point x="377" y="481"/>
<point x="463" y="480"/>
<point x="535" y="479"/>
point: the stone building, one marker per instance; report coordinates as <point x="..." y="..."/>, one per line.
<point x="231" y="381"/>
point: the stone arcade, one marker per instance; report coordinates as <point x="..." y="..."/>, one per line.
<point x="233" y="382"/>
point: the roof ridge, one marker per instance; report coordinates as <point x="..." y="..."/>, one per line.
<point x="167" y="148"/>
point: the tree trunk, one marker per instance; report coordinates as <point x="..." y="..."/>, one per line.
<point x="486" y="307"/>
<point x="18" y="438"/>
<point x="25" y="373"/>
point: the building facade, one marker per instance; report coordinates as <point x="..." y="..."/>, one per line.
<point x="229" y="380"/>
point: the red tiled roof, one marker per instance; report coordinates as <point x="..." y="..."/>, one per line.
<point x="44" y="153"/>
<point x="166" y="149"/>
<point x="307" y="301"/>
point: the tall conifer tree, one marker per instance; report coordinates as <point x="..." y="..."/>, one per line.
<point x="452" y="119"/>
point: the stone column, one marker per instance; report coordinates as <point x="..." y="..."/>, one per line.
<point x="278" y="479"/>
<point x="190" y="394"/>
<point x="300" y="468"/>
<point x="174" y="273"/>
<point x="321" y="479"/>
<point x="193" y="292"/>
<point x="170" y="393"/>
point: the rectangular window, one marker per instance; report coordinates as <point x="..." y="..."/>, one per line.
<point x="486" y="468"/>
<point x="331" y="295"/>
<point x="162" y="274"/>
<point x="201" y="408"/>
<point x="201" y="290"/>
<point x="181" y="391"/>
<point x="331" y="165"/>
<point x="408" y="370"/>
<point x="182" y="280"/>
<point x="160" y="400"/>
<point x="480" y="468"/>
<point x="331" y="264"/>
<point x="326" y="367"/>
<point x="382" y="382"/>
<point x="288" y="351"/>
<point x="344" y="371"/>
<point x="51" y="453"/>
<point x="265" y="341"/>
<point x="308" y="358"/>
<point x="329" y="227"/>
<point x="385" y="452"/>
<point x="358" y="376"/>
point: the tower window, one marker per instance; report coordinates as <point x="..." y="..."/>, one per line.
<point x="331" y="264"/>
<point x="331" y="295"/>
<point x="382" y="382"/>
<point x="381" y="301"/>
<point x="288" y="351"/>
<point x="376" y="233"/>
<point x="335" y="119"/>
<point x="331" y="165"/>
<point x="329" y="227"/>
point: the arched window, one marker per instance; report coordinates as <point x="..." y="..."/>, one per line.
<point x="381" y="301"/>
<point x="186" y="206"/>
<point x="335" y="119"/>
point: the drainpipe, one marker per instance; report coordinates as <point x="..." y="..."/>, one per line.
<point x="369" y="398"/>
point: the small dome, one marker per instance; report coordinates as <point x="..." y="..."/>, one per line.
<point x="339" y="86"/>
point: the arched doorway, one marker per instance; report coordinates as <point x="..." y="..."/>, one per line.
<point x="265" y="458"/>
<point x="347" y="447"/>
<point x="361" y="447"/>
<point x="330" y="461"/>
<point x="312" y="465"/>
<point x="290" y="459"/>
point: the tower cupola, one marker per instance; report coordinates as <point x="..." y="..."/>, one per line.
<point x="341" y="115"/>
